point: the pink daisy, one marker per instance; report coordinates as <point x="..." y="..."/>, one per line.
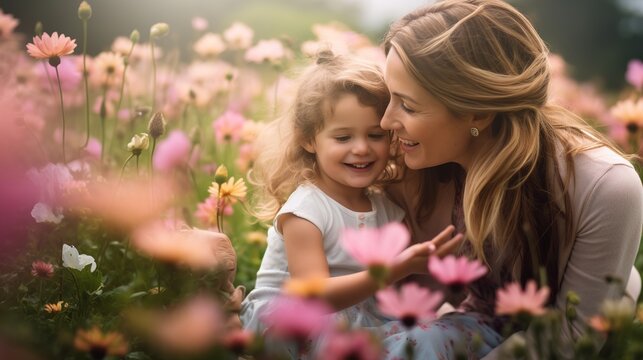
<point x="296" y="318"/>
<point x="228" y="126"/>
<point x="456" y="272"/>
<point x="376" y="246"/>
<point x="410" y="304"/>
<point x="512" y="300"/>
<point x="352" y="345"/>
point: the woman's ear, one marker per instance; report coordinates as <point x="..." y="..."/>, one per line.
<point x="482" y="121"/>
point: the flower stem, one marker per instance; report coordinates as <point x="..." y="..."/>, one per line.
<point x="153" y="75"/>
<point x="138" y="172"/>
<point x="62" y="110"/>
<point x="103" y="114"/>
<point x="125" y="164"/>
<point x="85" y="80"/>
<point x="152" y="156"/>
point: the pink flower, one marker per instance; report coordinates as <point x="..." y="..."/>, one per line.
<point x="191" y="327"/>
<point x="511" y="300"/>
<point x="238" y="35"/>
<point x="296" y="318"/>
<point x="7" y="24"/>
<point x="351" y="345"/>
<point x="238" y="340"/>
<point x="93" y="149"/>
<point x="272" y="51"/>
<point x="193" y="248"/>
<point x="410" y="304"/>
<point x="228" y="127"/>
<point x="376" y="247"/>
<point x="209" y="45"/>
<point x="206" y="211"/>
<point x="199" y="23"/>
<point x="42" y="269"/>
<point x="47" y="47"/>
<point x="634" y="74"/>
<point x="454" y="271"/>
<point x="173" y="151"/>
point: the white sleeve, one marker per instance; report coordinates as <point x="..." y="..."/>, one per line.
<point x="307" y="204"/>
<point x="608" y="234"/>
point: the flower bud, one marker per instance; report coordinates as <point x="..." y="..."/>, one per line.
<point x="38" y="29"/>
<point x="221" y="175"/>
<point x="84" y="11"/>
<point x="159" y="30"/>
<point x="156" y="126"/>
<point x="573" y="298"/>
<point x="139" y="143"/>
<point x="134" y="36"/>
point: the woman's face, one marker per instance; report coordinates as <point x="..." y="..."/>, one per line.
<point x="429" y="134"/>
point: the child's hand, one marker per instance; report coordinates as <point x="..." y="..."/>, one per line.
<point x="415" y="258"/>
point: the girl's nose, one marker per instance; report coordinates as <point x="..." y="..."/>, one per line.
<point x="360" y="147"/>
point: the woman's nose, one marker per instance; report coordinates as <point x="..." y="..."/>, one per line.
<point x="388" y="121"/>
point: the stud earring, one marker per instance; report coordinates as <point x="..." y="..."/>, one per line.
<point x="475" y="132"/>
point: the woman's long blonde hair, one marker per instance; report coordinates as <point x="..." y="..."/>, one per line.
<point x="283" y="163"/>
<point x="484" y="57"/>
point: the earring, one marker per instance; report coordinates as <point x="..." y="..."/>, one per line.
<point x="475" y="132"/>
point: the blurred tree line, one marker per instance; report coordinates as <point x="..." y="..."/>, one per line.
<point x="596" y="37"/>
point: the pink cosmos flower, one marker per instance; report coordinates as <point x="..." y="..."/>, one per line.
<point x="7" y="24"/>
<point x="47" y="47"/>
<point x="42" y="269"/>
<point x="271" y="51"/>
<point x="206" y="211"/>
<point x="93" y="149"/>
<point x="454" y="271"/>
<point x="196" y="249"/>
<point x="199" y="23"/>
<point x="351" y="345"/>
<point x="376" y="247"/>
<point x="191" y="327"/>
<point x="634" y="74"/>
<point x="238" y="340"/>
<point x="511" y="300"/>
<point x="295" y="318"/>
<point x="172" y="152"/>
<point x="228" y="127"/>
<point x="410" y="304"/>
<point x="238" y="35"/>
<point x="209" y="45"/>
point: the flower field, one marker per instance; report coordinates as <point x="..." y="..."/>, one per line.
<point x="117" y="171"/>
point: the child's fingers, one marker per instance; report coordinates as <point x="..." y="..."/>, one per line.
<point x="442" y="237"/>
<point x="449" y="246"/>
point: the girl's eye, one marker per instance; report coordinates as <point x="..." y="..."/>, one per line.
<point x="377" y="136"/>
<point x="342" y="138"/>
<point x="405" y="108"/>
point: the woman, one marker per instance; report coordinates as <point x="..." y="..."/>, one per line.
<point x="534" y="186"/>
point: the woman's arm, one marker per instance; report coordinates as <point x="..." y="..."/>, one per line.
<point x="306" y="259"/>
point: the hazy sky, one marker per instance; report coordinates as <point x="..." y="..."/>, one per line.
<point x="377" y="12"/>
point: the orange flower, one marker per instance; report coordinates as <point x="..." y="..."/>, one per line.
<point x="599" y="323"/>
<point x="306" y="288"/>
<point x="99" y="344"/>
<point x="55" y="308"/>
<point x="49" y="47"/>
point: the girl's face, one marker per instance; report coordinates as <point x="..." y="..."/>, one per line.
<point x="352" y="149"/>
<point x="429" y="134"/>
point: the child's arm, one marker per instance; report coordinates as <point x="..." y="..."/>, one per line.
<point x="306" y="259"/>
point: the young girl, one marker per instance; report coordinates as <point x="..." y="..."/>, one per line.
<point x="315" y="176"/>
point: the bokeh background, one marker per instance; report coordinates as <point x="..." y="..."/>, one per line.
<point x="596" y="37"/>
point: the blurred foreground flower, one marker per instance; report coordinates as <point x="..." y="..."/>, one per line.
<point x="7" y="24"/>
<point x="455" y="272"/>
<point x="305" y="288"/>
<point x="359" y="344"/>
<point x="512" y="300"/>
<point x="634" y="74"/>
<point x="72" y="259"/>
<point x="125" y="204"/>
<point x="238" y="35"/>
<point x="376" y="248"/>
<point x="198" y="249"/>
<point x="411" y="304"/>
<point x="294" y="318"/>
<point x="99" y="344"/>
<point x="630" y="113"/>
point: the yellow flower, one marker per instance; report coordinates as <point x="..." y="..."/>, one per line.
<point x="221" y="175"/>
<point x="306" y="288"/>
<point x="97" y="343"/>
<point x="256" y="237"/>
<point x="55" y="308"/>
<point x="230" y="192"/>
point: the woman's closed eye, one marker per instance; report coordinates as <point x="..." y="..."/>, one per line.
<point x="406" y="108"/>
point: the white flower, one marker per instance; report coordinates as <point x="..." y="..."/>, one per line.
<point x="42" y="212"/>
<point x="72" y="259"/>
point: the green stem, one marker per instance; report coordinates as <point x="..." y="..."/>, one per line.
<point x="122" y="91"/>
<point x="220" y="209"/>
<point x="152" y="157"/>
<point x="138" y="172"/>
<point x="85" y="80"/>
<point x="51" y="84"/>
<point x="62" y="110"/>
<point x="103" y="114"/>
<point x="77" y="287"/>
<point x="125" y="164"/>
<point x="153" y="76"/>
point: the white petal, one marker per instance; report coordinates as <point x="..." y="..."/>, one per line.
<point x="84" y="260"/>
<point x="70" y="257"/>
<point x="41" y="212"/>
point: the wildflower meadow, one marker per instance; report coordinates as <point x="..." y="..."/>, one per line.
<point x="120" y="169"/>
